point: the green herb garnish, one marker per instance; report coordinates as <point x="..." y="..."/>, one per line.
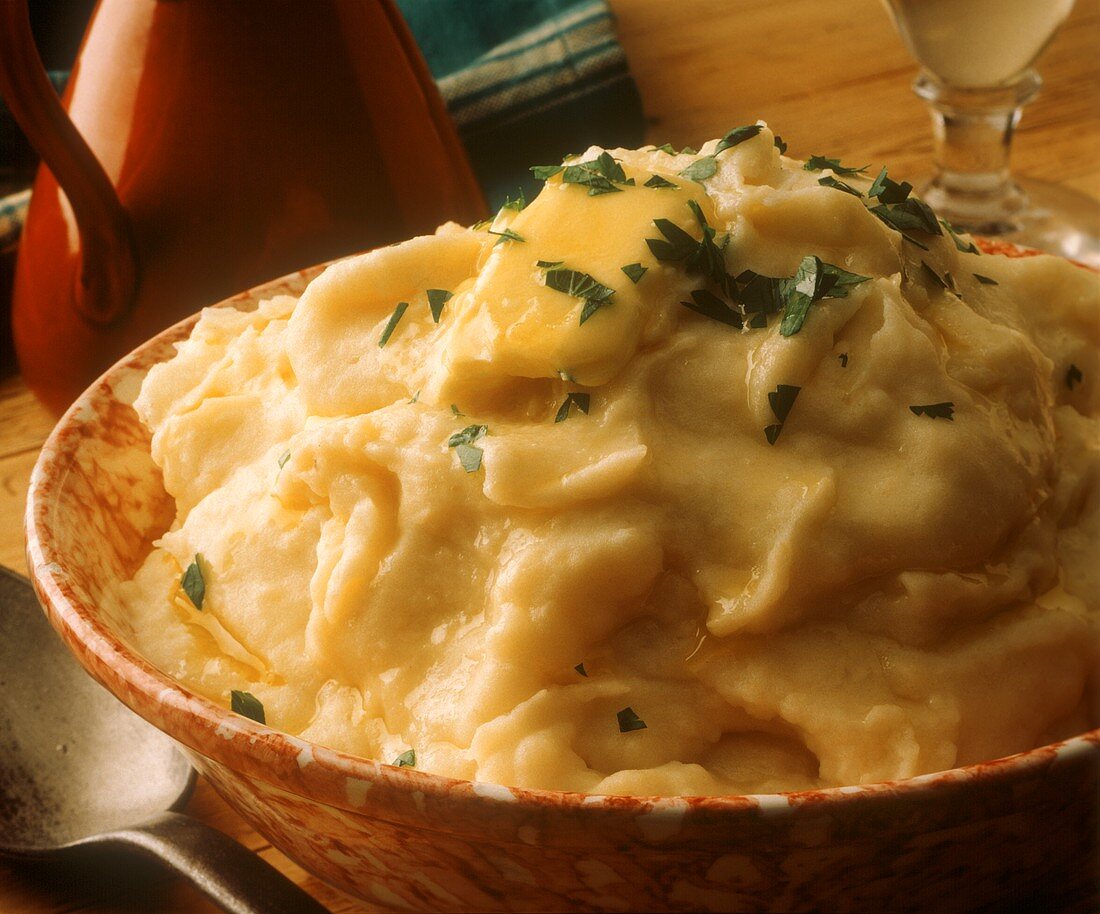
<point x="247" y="705"/>
<point x="737" y="136"/>
<point x="579" y="400"/>
<point x="889" y="191"/>
<point x="415" y="398"/>
<point x="600" y="175"/>
<point x="580" y="285"/>
<point x="634" y="271"/>
<point x="437" y="298"/>
<point x="703" y="256"/>
<point x="392" y="323"/>
<point x="968" y="248"/>
<point x="701" y="169"/>
<point x="545" y="172"/>
<point x="777" y="141"/>
<point x="548" y="264"/>
<point x="406" y="759"/>
<point x="710" y="305"/>
<point x="468" y="435"/>
<point x="193" y="583"/>
<point x="518" y="203"/>
<point x="830" y="181"/>
<point x="936" y="278"/>
<point x="456" y="410"/>
<point x="935" y="411"/>
<point x="1073" y="376"/>
<point x="985" y="280"/>
<point x="656" y="181"/>
<point x="780" y="400"/>
<point x="813" y="281"/>
<point x="666" y="148"/>
<point x="470" y="457"/>
<point x="843" y="358"/>
<point x="911" y="214"/>
<point x="629" y="721"/>
<point x="566" y="375"/>
<point x="580" y="669"/>
<point x="283" y="459"/>
<point x="507" y="235"/>
<point x="821" y="163"/>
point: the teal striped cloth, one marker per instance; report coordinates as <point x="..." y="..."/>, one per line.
<point x="526" y="81"/>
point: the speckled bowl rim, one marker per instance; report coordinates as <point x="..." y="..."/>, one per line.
<point x="322" y="774"/>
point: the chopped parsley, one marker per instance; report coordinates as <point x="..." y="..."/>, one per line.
<point x="518" y="203"/>
<point x="193" y="583"/>
<point x="580" y="285"/>
<point x="283" y="459"/>
<point x="392" y="323"/>
<point x="415" y="398"/>
<point x="580" y="400"/>
<point x="737" y="136"/>
<point x="469" y="457"/>
<point x="437" y="298"/>
<point x="406" y="759"/>
<point x="456" y="410"/>
<point x="634" y="271"/>
<point x="830" y="181"/>
<point x="247" y="705"/>
<point x="710" y="305"/>
<point x="843" y="359"/>
<point x="629" y="721"/>
<point x="936" y="278"/>
<point x="1073" y="376"/>
<point x="813" y="281"/>
<point x="969" y="248"/>
<point x="912" y="214"/>
<point x="507" y="235"/>
<point x="545" y="172"/>
<point x="780" y="144"/>
<point x="935" y="411"/>
<point x="580" y="669"/>
<point x="548" y="264"/>
<point x="985" y="280"/>
<point x="887" y="190"/>
<point x="665" y="148"/>
<point x="602" y="175"/>
<point x="656" y="181"/>
<point x="780" y="400"/>
<point x="821" y="163"/>
<point x="701" y="255"/>
<point x="566" y="375"/>
<point x="701" y="169"/>
<point x="468" y="435"/>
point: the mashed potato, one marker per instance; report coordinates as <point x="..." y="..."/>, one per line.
<point x="694" y="476"/>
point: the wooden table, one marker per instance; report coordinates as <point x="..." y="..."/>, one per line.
<point x="833" y="78"/>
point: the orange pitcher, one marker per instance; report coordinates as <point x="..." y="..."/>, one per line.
<point x="210" y="145"/>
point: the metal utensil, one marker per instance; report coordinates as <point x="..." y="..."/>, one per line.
<point x="79" y="770"/>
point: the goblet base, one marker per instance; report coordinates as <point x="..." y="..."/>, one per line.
<point x="1044" y="216"/>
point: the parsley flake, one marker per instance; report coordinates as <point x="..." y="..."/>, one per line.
<point x="830" y="181"/>
<point x="580" y="400"/>
<point x="780" y="144"/>
<point x="888" y="191"/>
<point x="737" y="136"/>
<point x="406" y="759"/>
<point x="283" y="459"/>
<point x="780" y="400"/>
<point x="911" y="214"/>
<point x="437" y="298"/>
<point x="580" y="669"/>
<point x="415" y="398"/>
<point x="1073" y="376"/>
<point x="600" y="175"/>
<point x="545" y="172"/>
<point x="968" y="248"/>
<point x="771" y="432"/>
<point x="247" y="705"/>
<point x="507" y="235"/>
<point x="985" y="280"/>
<point x="629" y="721"/>
<point x="935" y="411"/>
<point x="821" y="163"/>
<point x="843" y="359"/>
<point x="580" y="285"/>
<point x="548" y="264"/>
<point x="470" y="457"/>
<point x="813" y="281"/>
<point x="657" y="182"/>
<point x="193" y="583"/>
<point x="456" y="410"/>
<point x="468" y="435"/>
<point x="566" y="375"/>
<point x="701" y="169"/>
<point x="936" y="278"/>
<point x="710" y="305"/>
<point x="634" y="271"/>
<point x="392" y="323"/>
<point x="665" y="148"/>
<point x="518" y="203"/>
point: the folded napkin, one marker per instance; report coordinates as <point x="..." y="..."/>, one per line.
<point x="526" y="81"/>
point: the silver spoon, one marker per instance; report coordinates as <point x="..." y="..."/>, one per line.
<point x="79" y="770"/>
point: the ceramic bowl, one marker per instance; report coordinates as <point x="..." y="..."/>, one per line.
<point x="410" y="840"/>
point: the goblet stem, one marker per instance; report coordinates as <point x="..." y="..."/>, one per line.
<point x="972" y="186"/>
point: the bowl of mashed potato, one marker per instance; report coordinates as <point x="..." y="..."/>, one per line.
<point x="714" y="531"/>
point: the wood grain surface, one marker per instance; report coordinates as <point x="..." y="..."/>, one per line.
<point x="832" y="78"/>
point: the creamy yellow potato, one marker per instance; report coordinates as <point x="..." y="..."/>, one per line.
<point x="576" y="534"/>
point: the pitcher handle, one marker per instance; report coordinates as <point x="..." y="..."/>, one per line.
<point x="108" y="268"/>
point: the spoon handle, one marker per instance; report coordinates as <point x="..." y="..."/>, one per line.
<point x="226" y="872"/>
